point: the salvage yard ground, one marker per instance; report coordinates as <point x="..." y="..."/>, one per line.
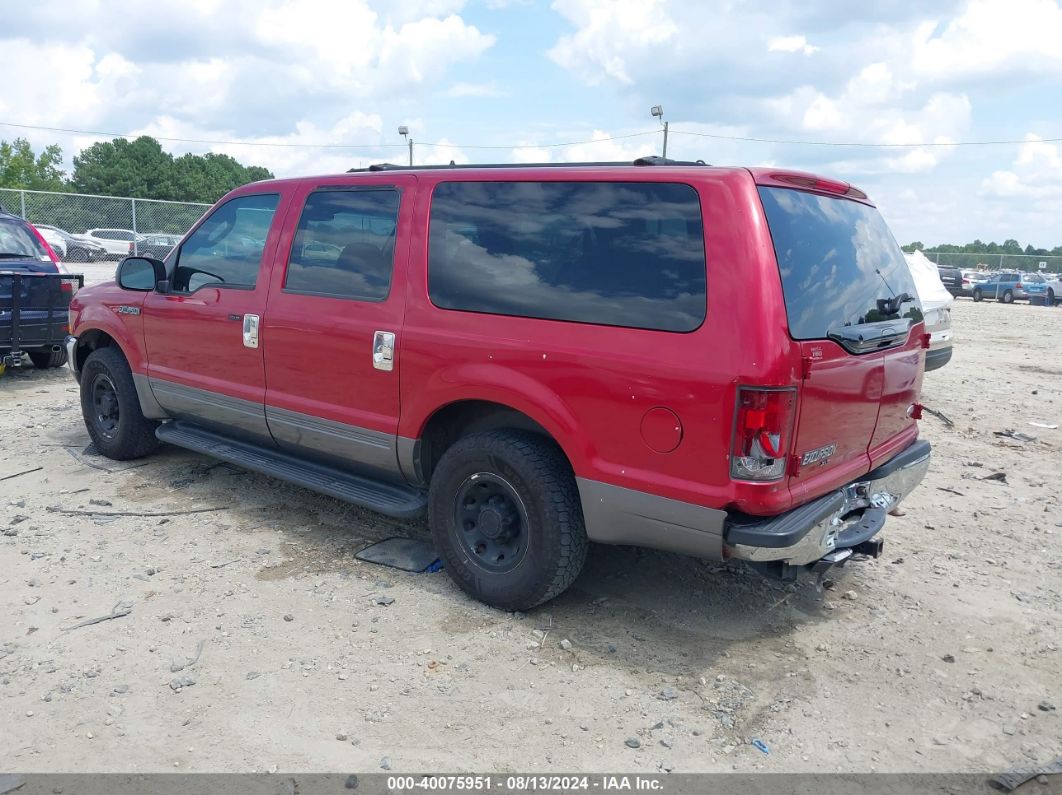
<point x="943" y="655"/>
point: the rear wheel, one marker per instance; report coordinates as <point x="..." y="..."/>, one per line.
<point x="111" y="407"/>
<point x="77" y="255"/>
<point x="505" y="515"/>
<point x="1007" y="297"/>
<point x="1050" y="297"/>
<point x="43" y="359"/>
<point x="978" y="295"/>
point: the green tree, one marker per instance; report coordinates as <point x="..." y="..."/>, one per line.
<point x="20" y="167"/>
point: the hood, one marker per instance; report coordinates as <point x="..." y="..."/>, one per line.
<point x="931" y="290"/>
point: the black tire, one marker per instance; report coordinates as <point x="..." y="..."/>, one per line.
<point x="77" y="255"/>
<point x="111" y="408"/>
<point x="1050" y="297"/>
<point x="528" y="476"/>
<point x="1007" y="297"/>
<point x="978" y="296"/>
<point x="47" y="358"/>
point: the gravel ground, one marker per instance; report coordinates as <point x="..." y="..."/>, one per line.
<point x="248" y="638"/>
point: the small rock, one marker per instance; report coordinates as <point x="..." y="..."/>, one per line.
<point x="253" y="674"/>
<point x="668" y="694"/>
<point x="948" y="658"/>
<point x="101" y="503"/>
<point x="342" y="737"/>
<point x="632" y="742"/>
<point x="1008" y="730"/>
<point x="181" y="682"/>
<point x="121" y="689"/>
<point x="385" y="763"/>
<point x="10" y="532"/>
<point x="851" y="596"/>
<point x="351" y="782"/>
<point x="31" y="600"/>
<point x="566" y="644"/>
<point x="289" y="617"/>
<point x="29" y="713"/>
<point x="385" y="601"/>
<point x="1042" y="780"/>
<point x="1045" y="706"/>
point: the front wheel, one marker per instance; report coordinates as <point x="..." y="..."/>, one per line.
<point x="111" y="407"/>
<point x="1050" y="297"/>
<point x="978" y="295"/>
<point x="506" y="518"/>
<point x="1007" y="297"/>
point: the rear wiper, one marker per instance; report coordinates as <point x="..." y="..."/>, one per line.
<point x="891" y="306"/>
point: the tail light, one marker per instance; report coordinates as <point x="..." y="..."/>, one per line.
<point x="763" y="432"/>
<point x="965" y="282"/>
<point x="132" y="250"/>
<point x="1018" y="286"/>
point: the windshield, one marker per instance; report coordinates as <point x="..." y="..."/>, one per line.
<point x="18" y="242"/>
<point x="840" y="264"/>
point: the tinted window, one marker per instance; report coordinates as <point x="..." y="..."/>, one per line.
<point x="16" y="240"/>
<point x="612" y="253"/>
<point x="227" y="247"/>
<point x="839" y="262"/>
<point x="345" y="244"/>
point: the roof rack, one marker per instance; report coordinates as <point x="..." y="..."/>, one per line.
<point x="651" y="160"/>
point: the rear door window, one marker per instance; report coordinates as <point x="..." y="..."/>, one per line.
<point x="609" y="253"/>
<point x="839" y="263"/>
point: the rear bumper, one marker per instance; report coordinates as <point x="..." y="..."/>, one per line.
<point x="844" y="519"/>
<point x="70" y="343"/>
<point x="938" y="357"/>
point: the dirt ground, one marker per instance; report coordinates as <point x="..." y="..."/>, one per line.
<point x="943" y="655"/>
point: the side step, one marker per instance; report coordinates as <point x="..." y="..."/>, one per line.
<point x="386" y="498"/>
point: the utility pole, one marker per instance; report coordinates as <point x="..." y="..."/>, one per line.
<point x="658" y="112"/>
<point x="403" y="130"/>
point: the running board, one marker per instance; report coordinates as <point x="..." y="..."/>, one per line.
<point x="385" y="498"/>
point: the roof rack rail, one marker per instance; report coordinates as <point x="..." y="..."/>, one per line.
<point x="649" y="160"/>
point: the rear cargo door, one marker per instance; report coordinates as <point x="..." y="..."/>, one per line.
<point x="852" y="305"/>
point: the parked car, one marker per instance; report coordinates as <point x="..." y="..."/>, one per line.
<point x="155" y="244"/>
<point x="115" y="241"/>
<point x="936" y="307"/>
<point x="535" y="358"/>
<point x="1034" y="286"/>
<point x="971" y="279"/>
<point x="1054" y="289"/>
<point x="53" y="239"/>
<point x="34" y="297"/>
<point x="951" y="278"/>
<point x="1003" y="287"/>
<point x="78" y="248"/>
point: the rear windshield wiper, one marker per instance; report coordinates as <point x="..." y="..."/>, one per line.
<point x="867" y="337"/>
<point x="891" y="306"/>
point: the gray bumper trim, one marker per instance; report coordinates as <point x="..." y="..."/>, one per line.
<point x="615" y="515"/>
<point x="70" y="343"/>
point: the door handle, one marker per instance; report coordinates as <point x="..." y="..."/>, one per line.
<point x="250" y="331"/>
<point x="383" y="350"/>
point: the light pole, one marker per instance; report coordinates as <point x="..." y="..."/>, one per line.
<point x="403" y="130"/>
<point x="658" y="112"/>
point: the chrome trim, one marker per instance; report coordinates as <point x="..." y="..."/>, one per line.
<point x="70" y="343"/>
<point x="383" y="350"/>
<point x="250" y="331"/>
<point x="885" y="493"/>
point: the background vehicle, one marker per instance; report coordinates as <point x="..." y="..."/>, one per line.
<point x="971" y="279"/>
<point x="78" y="248"/>
<point x="1054" y="289"/>
<point x="115" y="241"/>
<point x="1003" y="287"/>
<point x="1034" y="286"/>
<point x="936" y="307"/>
<point x="54" y="239"/>
<point x="34" y="296"/>
<point x="532" y="386"/>
<point x="951" y="278"/>
<point x="154" y="244"/>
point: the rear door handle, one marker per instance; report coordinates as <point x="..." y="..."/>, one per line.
<point x="383" y="350"/>
<point x="250" y="331"/>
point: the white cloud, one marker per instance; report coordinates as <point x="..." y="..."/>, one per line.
<point x="459" y="90"/>
<point x="791" y="44"/>
<point x="1035" y="174"/>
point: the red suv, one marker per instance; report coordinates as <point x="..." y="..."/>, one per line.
<point x="721" y="362"/>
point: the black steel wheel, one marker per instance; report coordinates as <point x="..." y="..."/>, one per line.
<point x="111" y="408"/>
<point x="505" y="515"/>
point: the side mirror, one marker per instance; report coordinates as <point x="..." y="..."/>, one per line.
<point x="142" y="274"/>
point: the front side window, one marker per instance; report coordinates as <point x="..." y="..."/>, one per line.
<point x="345" y="243"/>
<point x="227" y="247"/>
<point x="609" y="253"/>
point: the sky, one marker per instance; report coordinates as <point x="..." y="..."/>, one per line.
<point x="509" y="80"/>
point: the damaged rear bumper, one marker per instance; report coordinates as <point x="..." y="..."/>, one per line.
<point x="828" y="530"/>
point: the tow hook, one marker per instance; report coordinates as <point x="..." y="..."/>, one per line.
<point x="872" y="548"/>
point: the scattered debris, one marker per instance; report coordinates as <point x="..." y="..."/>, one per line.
<point x="120" y="610"/>
<point x="253" y="674"/>
<point x="760" y="745"/>
<point x="668" y="694"/>
<point x="998" y="477"/>
<point x="223" y="565"/>
<point x="406" y="554"/>
<point x="566" y="644"/>
<point x="1015" y="777"/>
<point x="20" y="474"/>
<point x="385" y="763"/>
<point x="385" y="601"/>
<point x="948" y="658"/>
<point x="1045" y="706"/>
<point x="950" y="491"/>
<point x="851" y="596"/>
<point x="289" y="617"/>
<point x="1016" y="435"/>
<point x="68" y="512"/>
<point x="1049" y="425"/>
<point x="121" y="689"/>
<point x="177" y="665"/>
<point x="181" y="682"/>
<point x="939" y="415"/>
<point x="632" y="742"/>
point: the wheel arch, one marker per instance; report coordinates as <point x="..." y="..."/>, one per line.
<point x="91" y="340"/>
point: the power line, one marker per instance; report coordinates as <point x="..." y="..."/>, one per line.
<point x="862" y="144"/>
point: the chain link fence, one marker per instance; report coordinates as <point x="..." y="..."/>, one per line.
<point x="89" y="228"/>
<point x="1024" y="263"/>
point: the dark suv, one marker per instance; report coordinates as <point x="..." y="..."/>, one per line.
<point x="34" y="296"/>
<point x="536" y="357"/>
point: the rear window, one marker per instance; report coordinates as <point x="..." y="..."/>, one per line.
<point x="840" y="264"/>
<point x="17" y="241"/>
<point x="609" y="253"/>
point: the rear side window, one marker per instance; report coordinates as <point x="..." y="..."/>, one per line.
<point x="609" y="253"/>
<point x="17" y="241"/>
<point x="345" y="245"/>
<point x="840" y="264"/>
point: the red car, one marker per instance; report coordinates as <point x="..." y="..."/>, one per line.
<point x="721" y="362"/>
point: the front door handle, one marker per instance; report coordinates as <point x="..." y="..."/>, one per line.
<point x="383" y="350"/>
<point x="250" y="331"/>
